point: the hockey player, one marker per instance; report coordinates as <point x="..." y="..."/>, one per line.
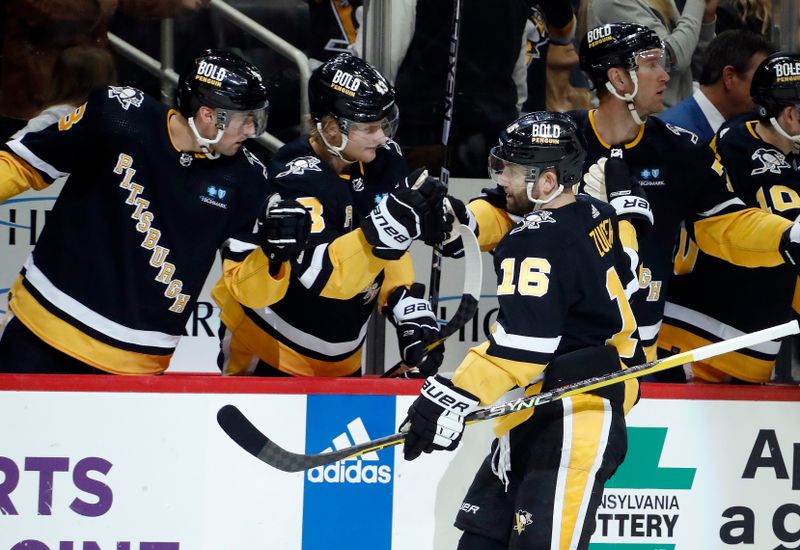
<point x="563" y="317"/>
<point x="151" y="195"/>
<point x="345" y="173"/>
<point x="760" y="155"/>
<point x="684" y="180"/>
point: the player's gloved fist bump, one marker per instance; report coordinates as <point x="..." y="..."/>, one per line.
<point x="407" y="213"/>
<point x="414" y="320"/>
<point x="453" y="245"/>
<point x="283" y="227"/>
<point x="626" y="195"/>
<point x="436" y="418"/>
<point x="790" y="245"/>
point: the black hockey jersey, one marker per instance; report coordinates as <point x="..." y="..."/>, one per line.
<point x="684" y="182"/>
<point x="561" y="277"/>
<point x="318" y="327"/>
<point x="698" y="309"/>
<point x="133" y="234"/>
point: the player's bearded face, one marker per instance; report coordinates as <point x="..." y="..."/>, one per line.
<point x="513" y="179"/>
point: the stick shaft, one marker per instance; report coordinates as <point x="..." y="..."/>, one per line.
<point x="247" y="436"/>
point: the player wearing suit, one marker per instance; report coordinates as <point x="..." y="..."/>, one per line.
<point x="564" y="316"/>
<point x="764" y="172"/>
<point x="149" y="198"/>
<point x="345" y="173"/>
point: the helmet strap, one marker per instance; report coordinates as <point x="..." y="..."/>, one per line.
<point x="332" y="149"/>
<point x="539" y="203"/>
<point x="205" y="143"/>
<point x="628" y="98"/>
<point x="778" y="128"/>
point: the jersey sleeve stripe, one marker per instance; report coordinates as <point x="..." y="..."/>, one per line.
<point x="92" y="319"/>
<point x="649" y="332"/>
<point x="721" y="206"/>
<point x="289" y="334"/>
<point x="236" y="246"/>
<point x="28" y="156"/>
<point x="315" y="266"/>
<point x="528" y="343"/>
<point x="713" y="326"/>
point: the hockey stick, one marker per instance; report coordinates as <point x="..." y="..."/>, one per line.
<point x="444" y="176"/>
<point x="473" y="279"/>
<point x="248" y="437"/>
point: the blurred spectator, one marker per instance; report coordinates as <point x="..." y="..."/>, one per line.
<point x="729" y="64"/>
<point x="485" y="91"/>
<point x="78" y="70"/>
<point x="335" y="26"/>
<point x="753" y="15"/>
<point x="562" y="94"/>
<point x="35" y="33"/>
<point x="549" y="23"/>
<point x="686" y="34"/>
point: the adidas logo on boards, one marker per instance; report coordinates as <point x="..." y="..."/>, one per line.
<point x="361" y="469"/>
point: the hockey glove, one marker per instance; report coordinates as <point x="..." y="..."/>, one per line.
<point x="283" y="227"/>
<point x="435" y="419"/>
<point x="790" y="245"/>
<point x="453" y="246"/>
<point x="408" y="213"/>
<point x="416" y="325"/>
<point x="594" y="180"/>
<point x="626" y="195"/>
<point x="428" y="367"/>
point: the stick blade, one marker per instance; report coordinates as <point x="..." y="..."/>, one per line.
<point x="236" y="425"/>
<point x="241" y="430"/>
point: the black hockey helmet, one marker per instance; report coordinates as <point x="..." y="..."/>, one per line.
<point x="539" y="141"/>
<point x="776" y="83"/>
<point x="351" y="90"/>
<point x="226" y="82"/>
<point x="614" y="45"/>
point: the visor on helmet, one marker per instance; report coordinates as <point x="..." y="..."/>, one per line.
<point x="651" y="58"/>
<point x="236" y="119"/>
<point x="388" y="124"/>
<point x="498" y="166"/>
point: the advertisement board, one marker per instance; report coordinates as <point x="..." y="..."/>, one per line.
<point x="140" y="464"/>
